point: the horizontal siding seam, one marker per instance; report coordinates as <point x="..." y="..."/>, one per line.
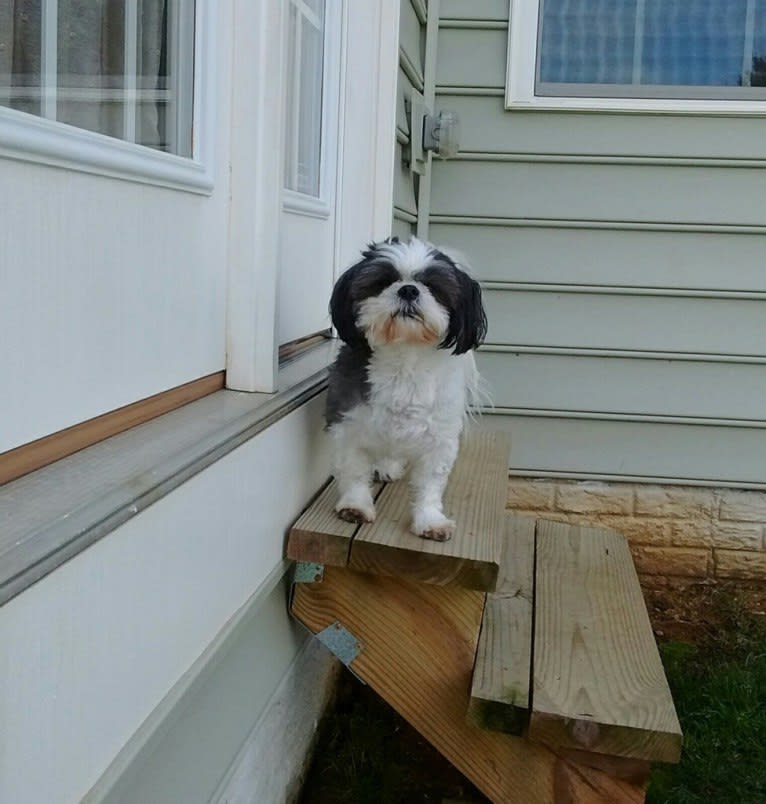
<point x="573" y="223"/>
<point x="636" y="354"/>
<point x="625" y="290"/>
<point x="696" y="421"/>
<point x="488" y="92"/>
<point x="404" y="215"/>
<point x="627" y="478"/>
<point x="466" y="23"/>
<point x="413" y="73"/>
<point x="610" y="159"/>
<point x="421" y="12"/>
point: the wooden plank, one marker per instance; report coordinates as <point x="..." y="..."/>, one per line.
<point x="320" y="535"/>
<point x="418" y="643"/>
<point x="598" y="679"/>
<point x="501" y="675"/>
<point x="474" y="498"/>
<point x="27" y="458"/>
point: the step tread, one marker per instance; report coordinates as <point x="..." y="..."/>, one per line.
<point x="598" y="681"/>
<point x="501" y="677"/>
<point x="475" y="498"/>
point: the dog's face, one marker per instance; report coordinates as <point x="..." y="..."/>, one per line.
<point x="408" y="293"/>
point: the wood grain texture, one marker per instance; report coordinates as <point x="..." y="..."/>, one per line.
<point x="29" y="457"/>
<point x="418" y="643"/>
<point x="474" y="498"/>
<point x="320" y="535"/>
<point x="598" y="680"/>
<point x="501" y="675"/>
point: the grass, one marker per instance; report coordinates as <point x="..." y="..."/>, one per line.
<point x="719" y="688"/>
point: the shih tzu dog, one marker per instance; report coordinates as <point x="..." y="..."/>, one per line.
<point x="409" y="317"/>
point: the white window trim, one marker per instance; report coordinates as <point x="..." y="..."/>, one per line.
<point x="364" y="196"/>
<point x="520" y="81"/>
<point x="35" y="139"/>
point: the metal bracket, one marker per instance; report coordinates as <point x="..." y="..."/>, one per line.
<point x="341" y="642"/>
<point x="416" y="114"/>
<point x="306" y="572"/>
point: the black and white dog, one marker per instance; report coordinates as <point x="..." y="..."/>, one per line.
<point x="404" y="378"/>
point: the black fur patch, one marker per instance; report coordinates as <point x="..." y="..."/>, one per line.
<point x="348" y="385"/>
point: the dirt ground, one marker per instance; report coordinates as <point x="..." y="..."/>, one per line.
<point x="692" y="612"/>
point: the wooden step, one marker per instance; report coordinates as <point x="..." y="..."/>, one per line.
<point x="414" y="644"/>
<point x="475" y="498"/>
<point x="501" y="678"/>
<point x="598" y="682"/>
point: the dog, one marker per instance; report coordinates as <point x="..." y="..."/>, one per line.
<point x="404" y="378"/>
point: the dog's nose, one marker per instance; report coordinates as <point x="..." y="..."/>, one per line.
<point x="408" y="293"/>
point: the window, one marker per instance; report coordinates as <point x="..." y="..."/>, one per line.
<point x="123" y="68"/>
<point x="305" y="60"/>
<point x="642" y="54"/>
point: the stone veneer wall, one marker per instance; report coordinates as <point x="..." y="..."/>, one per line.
<point x="676" y="533"/>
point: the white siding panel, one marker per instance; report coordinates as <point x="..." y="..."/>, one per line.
<point x="100" y="641"/>
<point x="642" y="450"/>
<point x="653" y="323"/>
<point x="471" y="57"/>
<point x="410" y="38"/>
<point x="474" y="9"/>
<point x="600" y="192"/>
<point x="110" y="290"/>
<point x="647" y="258"/>
<point x="683" y="388"/>
<point x="487" y="126"/>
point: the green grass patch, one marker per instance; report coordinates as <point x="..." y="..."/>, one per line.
<point x="719" y="688"/>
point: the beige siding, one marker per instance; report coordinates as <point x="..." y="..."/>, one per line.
<point x="622" y="262"/>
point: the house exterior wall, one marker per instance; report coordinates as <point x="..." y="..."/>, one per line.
<point x="151" y="666"/>
<point x="678" y="534"/>
<point x="620" y="256"/>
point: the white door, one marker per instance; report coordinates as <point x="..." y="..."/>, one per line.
<point x="307" y="243"/>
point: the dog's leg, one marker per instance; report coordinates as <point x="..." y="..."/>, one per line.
<point x="353" y="471"/>
<point x="429" y="479"/>
<point x="387" y="469"/>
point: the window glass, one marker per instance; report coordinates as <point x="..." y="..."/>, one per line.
<point x="652" y="48"/>
<point x="303" y="145"/>
<point x="118" y="67"/>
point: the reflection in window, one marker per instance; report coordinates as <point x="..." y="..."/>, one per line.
<point x="652" y="48"/>
<point x="123" y="68"/>
<point x="305" y="65"/>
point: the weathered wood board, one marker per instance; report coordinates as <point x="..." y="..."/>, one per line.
<point x="417" y="651"/>
<point x="598" y="680"/>
<point x="320" y="535"/>
<point x="475" y="498"/>
<point x="501" y="675"/>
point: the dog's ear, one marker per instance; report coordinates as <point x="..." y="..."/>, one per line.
<point x="342" y="309"/>
<point x="468" y="322"/>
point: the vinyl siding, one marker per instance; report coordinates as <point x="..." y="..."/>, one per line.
<point x="621" y="257"/>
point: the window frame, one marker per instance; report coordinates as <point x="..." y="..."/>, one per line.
<point x="522" y="67"/>
<point x="39" y="140"/>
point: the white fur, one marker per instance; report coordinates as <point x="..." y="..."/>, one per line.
<point x="415" y="414"/>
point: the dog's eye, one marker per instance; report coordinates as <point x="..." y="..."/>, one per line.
<point x="440" y="282"/>
<point x="375" y="281"/>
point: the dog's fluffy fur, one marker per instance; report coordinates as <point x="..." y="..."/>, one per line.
<point x="410" y="318"/>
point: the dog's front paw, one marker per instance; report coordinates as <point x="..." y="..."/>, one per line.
<point x="356" y="515"/>
<point x="433" y="525"/>
<point x="356" y="505"/>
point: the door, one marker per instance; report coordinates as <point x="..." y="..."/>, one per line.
<point x="307" y="247"/>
